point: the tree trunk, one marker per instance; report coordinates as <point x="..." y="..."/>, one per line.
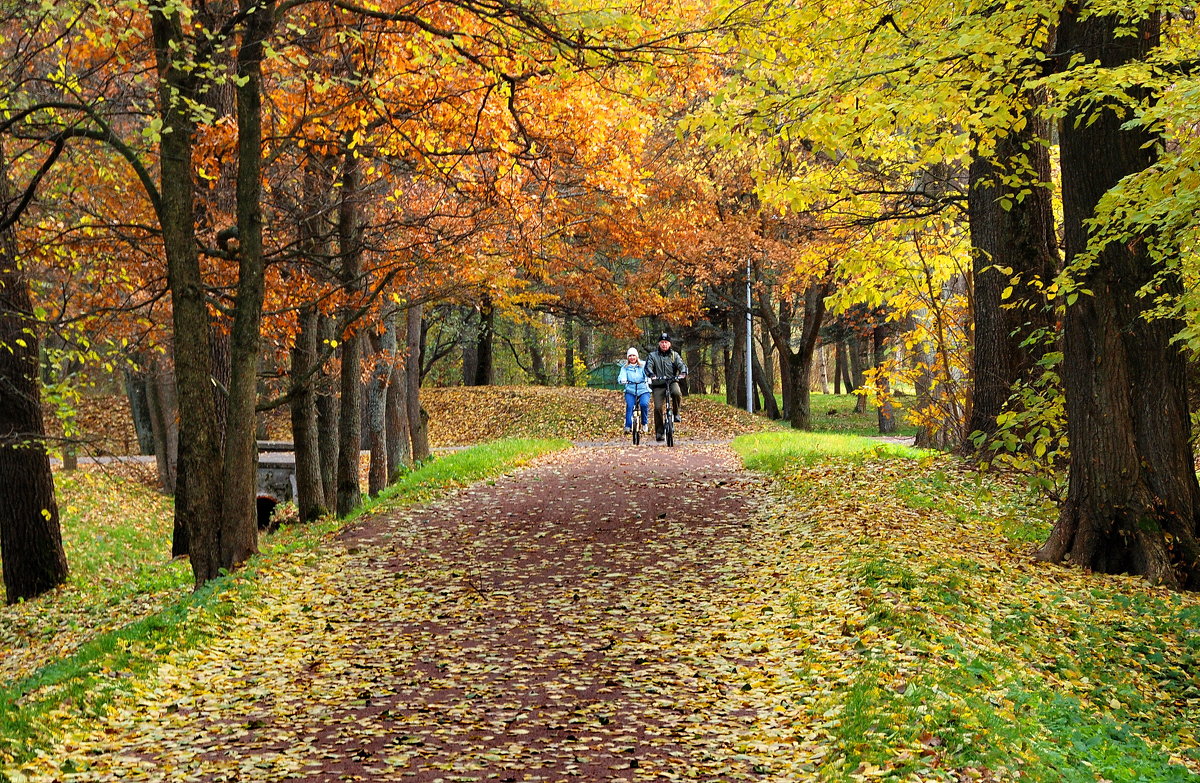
<point x="585" y="346"/>
<point x="737" y="366"/>
<point x="485" y="369"/>
<point x="164" y="421"/>
<point x="537" y="362"/>
<point x="239" y="518"/>
<point x="137" y="389"/>
<point x="310" y="493"/>
<point x="823" y="369"/>
<point x="569" y="358"/>
<point x="377" y="393"/>
<point x="328" y="407"/>
<point x="695" y="363"/>
<point x="762" y="384"/>
<point x="399" y="434"/>
<point x="1132" y="497"/>
<point x="349" y="492"/>
<point x="470" y="349"/>
<point x="418" y="419"/>
<point x="886" y="411"/>
<point x="198" y="505"/>
<point x="857" y="361"/>
<point x="30" y="538"/>
<point x="839" y="363"/>
<point x="730" y="376"/>
<point x="1020" y="238"/>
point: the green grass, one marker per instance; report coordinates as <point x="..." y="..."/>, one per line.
<point x="971" y="661"/>
<point x="107" y="660"/>
<point x="836" y="413"/>
<point x="770" y="451"/>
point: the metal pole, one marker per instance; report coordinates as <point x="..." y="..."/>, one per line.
<point x="749" y="345"/>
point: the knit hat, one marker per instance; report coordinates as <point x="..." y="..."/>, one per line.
<point x="664" y="336"/>
<point x="631" y="352"/>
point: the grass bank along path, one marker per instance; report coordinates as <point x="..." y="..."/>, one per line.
<point x="561" y="623"/>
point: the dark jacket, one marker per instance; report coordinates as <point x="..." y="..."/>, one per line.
<point x="664" y="366"/>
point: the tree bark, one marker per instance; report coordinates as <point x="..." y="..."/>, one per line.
<point x="418" y="419"/>
<point x="886" y="413"/>
<point x="399" y="434"/>
<point x="857" y="345"/>
<point x="349" y="492"/>
<point x="695" y="363"/>
<point x="239" y="519"/>
<point x="569" y="357"/>
<point x="537" y="362"/>
<point x="1020" y="238"/>
<point x="310" y="493"/>
<point x="485" y="369"/>
<point x="1132" y="497"/>
<point x="30" y="537"/>
<point x="198" y="498"/>
<point x="328" y="407"/>
<point x="137" y="389"/>
<point x="839" y="364"/>
<point x="164" y="419"/>
<point x="796" y="365"/>
<point x="377" y="394"/>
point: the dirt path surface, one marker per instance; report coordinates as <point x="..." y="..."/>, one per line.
<point x="563" y="623"/>
<point x="567" y="598"/>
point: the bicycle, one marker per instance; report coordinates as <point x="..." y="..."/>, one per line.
<point x="670" y="411"/>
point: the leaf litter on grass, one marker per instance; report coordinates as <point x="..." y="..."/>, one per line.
<point x="869" y="619"/>
<point x="473" y="414"/>
<point x="519" y="637"/>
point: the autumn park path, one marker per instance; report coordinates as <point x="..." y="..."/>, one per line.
<point x="559" y="623"/>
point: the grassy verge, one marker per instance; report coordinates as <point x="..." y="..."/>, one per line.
<point x="105" y="660"/>
<point x="929" y="645"/>
<point x="771" y="451"/>
<point x="836" y="413"/>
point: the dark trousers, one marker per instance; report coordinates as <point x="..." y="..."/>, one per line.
<point x="660" y="401"/>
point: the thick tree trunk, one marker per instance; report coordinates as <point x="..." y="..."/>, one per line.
<point x="418" y="419"/>
<point x="695" y="363"/>
<point x="485" y="367"/>
<point x="1013" y="232"/>
<point x="198" y="505"/>
<point x="239" y="519"/>
<point x="1133" y="498"/>
<point x="328" y="407"/>
<point x="310" y="493"/>
<point x="736" y="373"/>
<point x="30" y="537"/>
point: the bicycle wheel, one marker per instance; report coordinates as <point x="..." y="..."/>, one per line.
<point x="669" y="426"/>
<point x="637" y="427"/>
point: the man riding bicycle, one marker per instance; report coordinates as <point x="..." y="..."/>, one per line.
<point x="664" y="367"/>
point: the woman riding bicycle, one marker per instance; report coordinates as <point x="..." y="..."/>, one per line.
<point x="637" y="392"/>
<point x="664" y="367"/>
